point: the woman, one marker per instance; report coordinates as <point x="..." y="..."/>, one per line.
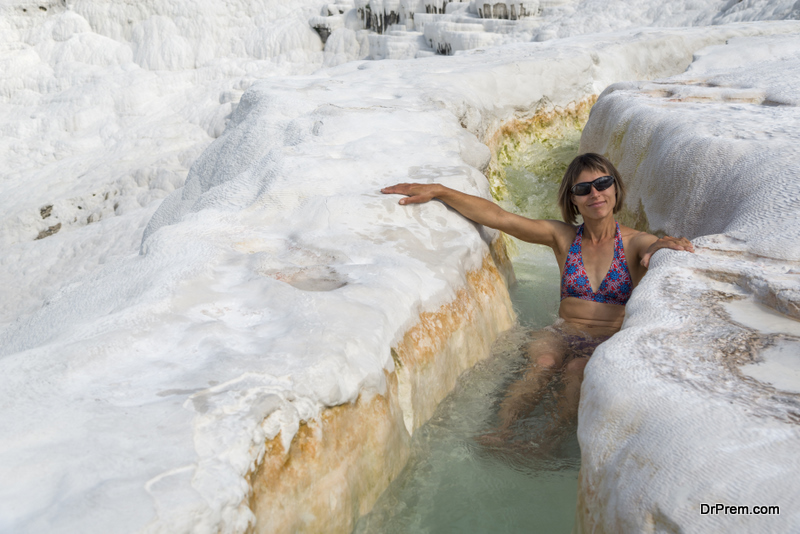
<point x="600" y="253"/>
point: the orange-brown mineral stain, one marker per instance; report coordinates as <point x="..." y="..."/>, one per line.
<point x="337" y="465"/>
<point x="423" y="341"/>
<point x="334" y="470"/>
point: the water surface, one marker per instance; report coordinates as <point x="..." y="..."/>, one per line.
<point x="456" y="481"/>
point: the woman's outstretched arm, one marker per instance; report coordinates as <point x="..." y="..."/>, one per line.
<point x="481" y="211"/>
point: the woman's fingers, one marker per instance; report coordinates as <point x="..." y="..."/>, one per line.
<point x="674" y="243"/>
<point x="416" y="193"/>
<point x="415" y="199"/>
<point x="678" y="243"/>
<point x="397" y="189"/>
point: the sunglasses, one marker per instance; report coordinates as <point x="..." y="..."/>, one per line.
<point x="584" y="188"/>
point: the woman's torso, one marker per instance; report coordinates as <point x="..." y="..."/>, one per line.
<point x="602" y="318"/>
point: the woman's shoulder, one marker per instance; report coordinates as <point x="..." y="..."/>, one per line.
<point x="565" y="236"/>
<point x="566" y="230"/>
<point x="636" y="239"/>
<point x="629" y="233"/>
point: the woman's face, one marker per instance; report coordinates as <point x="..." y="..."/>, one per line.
<point x="597" y="204"/>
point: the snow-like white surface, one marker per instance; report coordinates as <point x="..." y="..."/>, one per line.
<point x="780" y="368"/>
<point x="695" y="401"/>
<point x="422" y="27"/>
<point x="103" y="109"/>
<point x="744" y="128"/>
<point x="758" y="317"/>
<point x="140" y="377"/>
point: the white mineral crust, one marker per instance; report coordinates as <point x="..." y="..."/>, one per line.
<point x="697" y="400"/>
<point x="422" y="27"/>
<point x="147" y="348"/>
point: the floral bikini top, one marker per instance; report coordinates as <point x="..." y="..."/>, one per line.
<point x="616" y="287"/>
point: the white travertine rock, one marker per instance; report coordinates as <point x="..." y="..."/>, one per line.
<point x="139" y="391"/>
<point x="451" y="27"/>
<point x="696" y="400"/>
<point x="505" y="9"/>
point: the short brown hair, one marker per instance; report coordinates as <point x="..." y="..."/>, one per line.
<point x="593" y="162"/>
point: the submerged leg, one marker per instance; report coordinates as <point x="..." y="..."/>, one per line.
<point x="570" y="398"/>
<point x="546" y="354"/>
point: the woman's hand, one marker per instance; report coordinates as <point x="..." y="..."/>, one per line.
<point x="416" y="193"/>
<point x="674" y="243"/>
<point x="485" y="212"/>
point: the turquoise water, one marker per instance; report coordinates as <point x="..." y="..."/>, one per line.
<point x="454" y="481"/>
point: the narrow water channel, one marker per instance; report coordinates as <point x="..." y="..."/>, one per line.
<point x="454" y="481"/>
